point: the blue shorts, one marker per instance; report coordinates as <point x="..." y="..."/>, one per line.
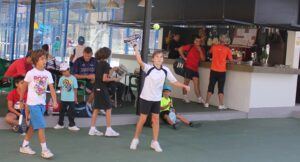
<point x="37" y="120"/>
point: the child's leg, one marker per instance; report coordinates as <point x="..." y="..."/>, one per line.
<point x="183" y="119"/>
<point x="108" y="117"/>
<point x="64" y="106"/>
<point x="11" y="119"/>
<point x="90" y="98"/>
<point x="186" y="82"/>
<point x="196" y="83"/>
<point x="42" y="139"/>
<point x="28" y="136"/>
<point x="94" y="117"/>
<point x="167" y="118"/>
<point x="140" y="125"/>
<point x="71" y="114"/>
<point x="155" y="126"/>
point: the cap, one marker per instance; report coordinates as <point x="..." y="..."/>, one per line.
<point x="81" y="40"/>
<point x="167" y="87"/>
<point x="64" y="66"/>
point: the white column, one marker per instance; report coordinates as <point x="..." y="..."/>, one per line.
<point x="293" y="49"/>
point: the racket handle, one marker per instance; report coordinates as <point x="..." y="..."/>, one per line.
<point x="20" y="119"/>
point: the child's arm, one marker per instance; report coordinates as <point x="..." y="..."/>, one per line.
<point x="138" y="57"/>
<point x="106" y="78"/>
<point x="22" y="94"/>
<point x="53" y="95"/>
<point x="11" y="108"/>
<point x="75" y="95"/>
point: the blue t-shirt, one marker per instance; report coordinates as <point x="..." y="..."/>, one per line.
<point x="67" y="85"/>
<point x="84" y="68"/>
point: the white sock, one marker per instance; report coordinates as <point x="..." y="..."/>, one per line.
<point x="25" y="143"/>
<point x="93" y="128"/>
<point x="44" y="146"/>
<point x="108" y="128"/>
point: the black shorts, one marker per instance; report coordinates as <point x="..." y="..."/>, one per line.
<point x="215" y="77"/>
<point x="102" y="100"/>
<point x="190" y="74"/>
<point x="147" y="107"/>
<point x="162" y="115"/>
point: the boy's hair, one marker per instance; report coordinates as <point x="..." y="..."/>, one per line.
<point x="45" y="47"/>
<point x="18" y="79"/>
<point x="35" y="55"/>
<point x="103" y="53"/>
<point x="197" y="37"/>
<point x="88" y="50"/>
<point x="156" y="53"/>
<point x="28" y="54"/>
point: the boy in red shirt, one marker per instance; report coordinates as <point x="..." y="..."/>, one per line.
<point x="19" y="67"/>
<point x="220" y="53"/>
<point x="195" y="54"/>
<point x="13" y="98"/>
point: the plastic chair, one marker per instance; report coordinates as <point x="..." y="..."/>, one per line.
<point x="82" y="88"/>
<point x="8" y="88"/>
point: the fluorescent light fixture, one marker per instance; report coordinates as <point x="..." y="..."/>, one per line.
<point x="112" y="4"/>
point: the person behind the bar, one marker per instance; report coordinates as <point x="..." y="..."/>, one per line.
<point x="151" y="94"/>
<point x="220" y="53"/>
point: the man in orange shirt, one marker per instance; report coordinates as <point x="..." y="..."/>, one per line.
<point x="220" y="53"/>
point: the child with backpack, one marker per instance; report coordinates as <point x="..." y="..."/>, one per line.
<point x="167" y="112"/>
<point x="68" y="88"/>
<point x="151" y="95"/>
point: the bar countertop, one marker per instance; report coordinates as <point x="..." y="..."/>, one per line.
<point x="230" y="67"/>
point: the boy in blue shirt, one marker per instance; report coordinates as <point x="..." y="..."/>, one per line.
<point x="68" y="87"/>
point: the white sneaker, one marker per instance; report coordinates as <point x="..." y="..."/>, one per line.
<point x="57" y="126"/>
<point x="155" y="146"/>
<point x="95" y="132"/>
<point x="47" y="154"/>
<point x="74" y="128"/>
<point x="186" y="99"/>
<point x="222" y="107"/>
<point x="102" y="112"/>
<point x="111" y="133"/>
<point x="134" y="144"/>
<point x="206" y="105"/>
<point x="27" y="150"/>
<point x="200" y="100"/>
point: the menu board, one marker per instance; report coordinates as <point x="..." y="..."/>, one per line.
<point x="244" y="37"/>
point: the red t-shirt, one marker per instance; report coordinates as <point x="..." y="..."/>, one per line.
<point x="15" y="97"/>
<point x="18" y="68"/>
<point x="192" y="58"/>
<point x="220" y="54"/>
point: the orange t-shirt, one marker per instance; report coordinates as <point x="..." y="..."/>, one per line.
<point x="220" y="54"/>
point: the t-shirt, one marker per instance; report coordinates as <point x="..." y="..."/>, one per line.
<point x="67" y="85"/>
<point x="154" y="82"/>
<point x="164" y="102"/>
<point x="219" y="55"/>
<point x="102" y="67"/>
<point x="193" y="57"/>
<point x="78" y="52"/>
<point x="173" y="54"/>
<point x="38" y="80"/>
<point x="15" y="97"/>
<point x="18" y="68"/>
<point x="82" y="67"/>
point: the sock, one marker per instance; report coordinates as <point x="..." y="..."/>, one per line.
<point x="93" y="128"/>
<point x="25" y="143"/>
<point x="108" y="128"/>
<point x="44" y="146"/>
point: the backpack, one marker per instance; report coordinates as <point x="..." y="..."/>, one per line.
<point x="178" y="65"/>
<point x="83" y="111"/>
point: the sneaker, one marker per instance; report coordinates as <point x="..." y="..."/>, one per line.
<point x="95" y="132"/>
<point x="200" y="100"/>
<point x="222" y="107"/>
<point x="57" y="126"/>
<point x="206" y="105"/>
<point x="174" y="126"/>
<point x="27" y="150"/>
<point x="74" y="128"/>
<point x="47" y="154"/>
<point x="111" y="133"/>
<point x="186" y="99"/>
<point x="15" y="128"/>
<point x="134" y="144"/>
<point x="191" y="124"/>
<point x="155" y="146"/>
<point x="102" y="112"/>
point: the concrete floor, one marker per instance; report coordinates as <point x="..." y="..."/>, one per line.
<point x="247" y="140"/>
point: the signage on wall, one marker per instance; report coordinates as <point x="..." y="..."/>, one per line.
<point x="244" y="36"/>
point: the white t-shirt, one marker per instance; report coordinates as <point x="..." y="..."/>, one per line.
<point x="37" y="85"/>
<point x="154" y="82"/>
<point x="78" y="52"/>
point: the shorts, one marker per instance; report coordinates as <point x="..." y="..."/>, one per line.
<point x="215" y="77"/>
<point x="37" y="120"/>
<point x="147" y="107"/>
<point x="102" y="99"/>
<point x="190" y="74"/>
<point x="162" y="115"/>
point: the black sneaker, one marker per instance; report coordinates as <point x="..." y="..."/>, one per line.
<point x="174" y="126"/>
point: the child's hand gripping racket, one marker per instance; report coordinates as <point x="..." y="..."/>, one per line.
<point x="23" y="118"/>
<point x="132" y="40"/>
